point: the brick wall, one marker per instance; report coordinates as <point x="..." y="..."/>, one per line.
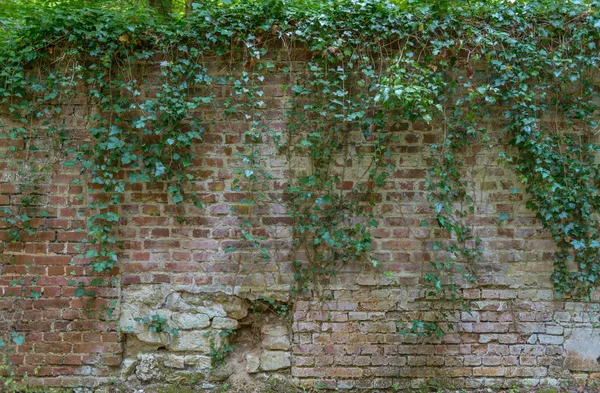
<point x="344" y="336"/>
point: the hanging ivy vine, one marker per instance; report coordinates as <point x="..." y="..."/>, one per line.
<point x="365" y="67"/>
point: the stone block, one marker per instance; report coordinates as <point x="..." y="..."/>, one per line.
<point x="147" y="368"/>
<point x="188" y="321"/>
<point x="145" y="335"/>
<point x="550" y="340"/>
<point x="583" y="350"/>
<point x="194" y="341"/>
<point x="281" y="343"/>
<point x="198" y="361"/>
<point x="275" y="330"/>
<point x="174" y="361"/>
<point x="224" y="323"/>
<point x="274" y="360"/>
<point x="554" y="330"/>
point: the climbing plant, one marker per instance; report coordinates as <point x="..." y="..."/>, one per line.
<point x="366" y="67"/>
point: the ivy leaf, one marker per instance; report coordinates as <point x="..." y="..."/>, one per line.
<point x="307" y="181"/>
<point x="578" y="244"/>
<point x="177" y="198"/>
<point x="127" y="158"/>
<point x="328" y="239"/>
<point x="503" y="217"/>
<point x="160" y="169"/>
<point x="80" y="292"/>
<point x="18" y="339"/>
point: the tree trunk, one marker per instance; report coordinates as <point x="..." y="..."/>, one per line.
<point x="188" y="7"/>
<point x="164" y="7"/>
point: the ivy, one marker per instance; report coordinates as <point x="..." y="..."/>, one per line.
<point x="157" y="324"/>
<point x="367" y="67"/>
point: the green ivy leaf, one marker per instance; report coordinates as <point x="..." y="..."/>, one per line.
<point x="503" y="217"/>
<point x="18" y="339"/>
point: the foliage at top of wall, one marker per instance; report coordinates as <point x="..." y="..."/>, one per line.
<point x="371" y="64"/>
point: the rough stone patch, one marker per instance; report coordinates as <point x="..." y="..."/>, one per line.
<point x="274" y="360"/>
<point x="583" y="349"/>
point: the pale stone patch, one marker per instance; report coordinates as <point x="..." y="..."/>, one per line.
<point x="274" y="360"/>
<point x="281" y="343"/>
<point x="583" y="349"/>
<point x="196" y="341"/>
<point x="224" y="323"/>
<point x="187" y="321"/>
